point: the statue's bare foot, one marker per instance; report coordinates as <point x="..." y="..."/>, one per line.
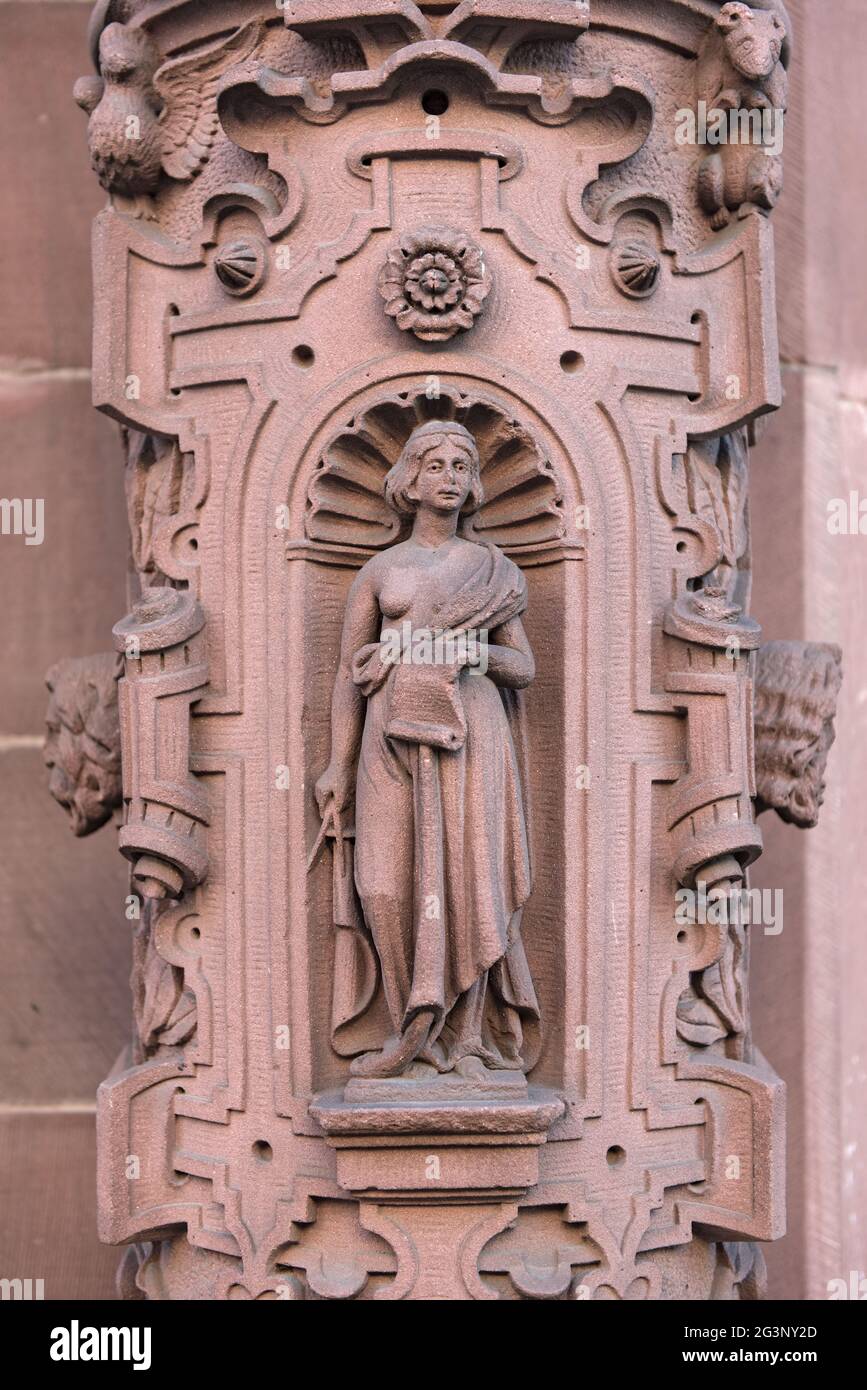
<point x="471" y="1068"/>
<point x="398" y="1052"/>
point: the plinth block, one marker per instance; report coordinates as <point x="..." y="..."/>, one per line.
<point x="409" y="1149"/>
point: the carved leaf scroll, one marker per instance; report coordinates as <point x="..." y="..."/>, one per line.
<point x="188" y="87"/>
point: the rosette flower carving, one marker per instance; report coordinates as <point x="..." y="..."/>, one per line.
<point x="434" y="283"/>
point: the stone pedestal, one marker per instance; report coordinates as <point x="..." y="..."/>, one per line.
<point x="444" y="1173"/>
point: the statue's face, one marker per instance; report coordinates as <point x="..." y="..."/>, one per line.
<point x="754" y="39"/>
<point x="445" y="477"/>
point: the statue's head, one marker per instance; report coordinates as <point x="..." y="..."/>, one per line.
<point x="107" y="12"/>
<point x="126" y="53"/>
<point x="439" y="467"/>
<point x="753" y="38"/>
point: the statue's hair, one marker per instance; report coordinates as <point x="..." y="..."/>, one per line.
<point x="84" y="691"/>
<point x="83" y="747"/>
<point x="796" y="690"/>
<point x="425" y="437"/>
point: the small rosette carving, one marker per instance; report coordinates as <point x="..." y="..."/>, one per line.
<point x="434" y="283"/>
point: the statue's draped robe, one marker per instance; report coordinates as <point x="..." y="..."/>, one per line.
<point x="442" y="865"/>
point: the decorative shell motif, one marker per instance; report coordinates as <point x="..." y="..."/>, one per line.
<point x="240" y="266"/>
<point x="434" y="283"/>
<point x="635" y="266"/>
<point x="346" y="500"/>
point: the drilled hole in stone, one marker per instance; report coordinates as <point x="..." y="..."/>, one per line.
<point x="262" y="1150"/>
<point x="681" y="936"/>
<point x="435" y="102"/>
<point x="303" y="355"/>
<point x="571" y="361"/>
<point x="615" y="1156"/>
<point x="680" y="547"/>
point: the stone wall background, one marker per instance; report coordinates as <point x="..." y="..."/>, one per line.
<point x="64" y="941"/>
<point x="809" y="984"/>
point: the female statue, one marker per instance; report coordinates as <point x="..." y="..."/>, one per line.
<point x="429" y="750"/>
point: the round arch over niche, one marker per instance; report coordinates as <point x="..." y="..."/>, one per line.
<point x="533" y="481"/>
<point x="523" y="499"/>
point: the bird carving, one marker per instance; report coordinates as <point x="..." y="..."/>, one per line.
<point x="149" y="118"/>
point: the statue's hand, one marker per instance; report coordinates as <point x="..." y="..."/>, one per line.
<point x="333" y="791"/>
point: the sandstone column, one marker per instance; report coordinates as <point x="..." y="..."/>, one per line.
<point x="349" y="249"/>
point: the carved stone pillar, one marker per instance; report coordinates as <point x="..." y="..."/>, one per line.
<point x="347" y="241"/>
